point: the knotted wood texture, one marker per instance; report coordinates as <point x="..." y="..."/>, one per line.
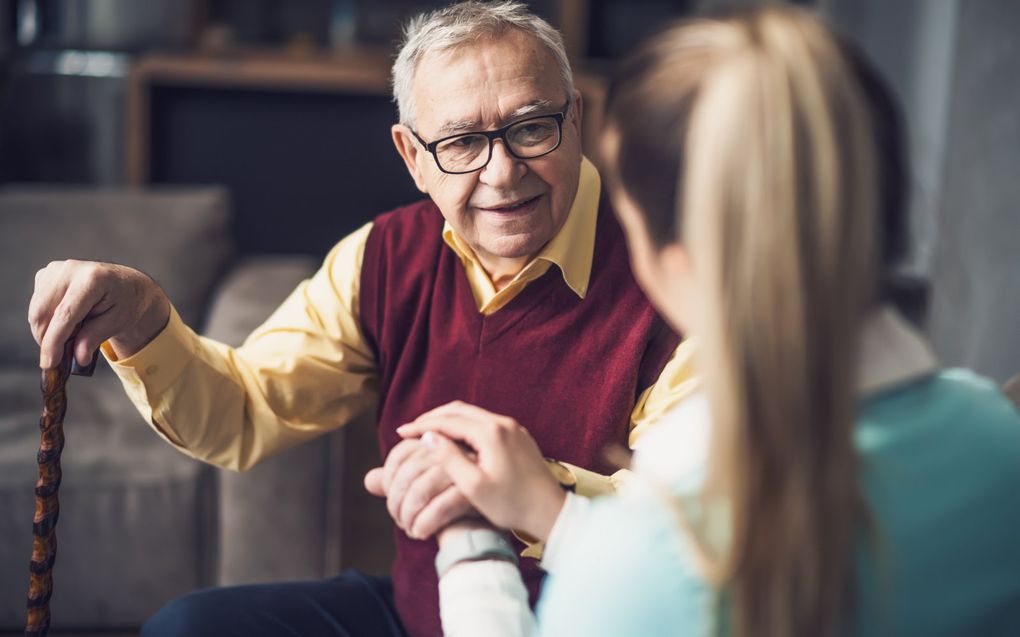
<point x="47" y="504"/>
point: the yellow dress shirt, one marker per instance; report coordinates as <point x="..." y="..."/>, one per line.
<point x="307" y="370"/>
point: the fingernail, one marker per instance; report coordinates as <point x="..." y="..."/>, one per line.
<point x="429" y="439"/>
<point x="401" y="429"/>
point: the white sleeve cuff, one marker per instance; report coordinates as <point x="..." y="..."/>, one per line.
<point x="569" y="524"/>
<point x="486" y="597"/>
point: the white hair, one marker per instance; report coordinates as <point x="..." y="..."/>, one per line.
<point x="458" y="24"/>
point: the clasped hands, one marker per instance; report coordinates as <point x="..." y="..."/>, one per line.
<point x="459" y="463"/>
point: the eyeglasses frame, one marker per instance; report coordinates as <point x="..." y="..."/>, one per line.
<point x="492" y="136"/>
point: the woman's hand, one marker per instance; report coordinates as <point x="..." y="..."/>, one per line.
<point x="503" y="475"/>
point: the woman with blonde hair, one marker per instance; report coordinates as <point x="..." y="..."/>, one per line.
<point x="830" y="478"/>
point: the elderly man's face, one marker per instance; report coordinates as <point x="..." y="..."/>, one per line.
<point x="510" y="209"/>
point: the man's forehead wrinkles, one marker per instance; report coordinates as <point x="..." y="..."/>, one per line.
<point x="451" y="127"/>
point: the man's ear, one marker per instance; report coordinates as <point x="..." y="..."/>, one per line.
<point x="408" y="147"/>
<point x="577" y="106"/>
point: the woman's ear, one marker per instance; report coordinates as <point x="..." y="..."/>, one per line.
<point x="682" y="290"/>
<point x="408" y="147"/>
<point x="675" y="261"/>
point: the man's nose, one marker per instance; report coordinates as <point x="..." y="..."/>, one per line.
<point x="503" y="168"/>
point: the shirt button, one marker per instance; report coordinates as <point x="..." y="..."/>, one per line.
<point x="151" y="369"/>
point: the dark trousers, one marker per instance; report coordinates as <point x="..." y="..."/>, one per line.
<point x="350" y="605"/>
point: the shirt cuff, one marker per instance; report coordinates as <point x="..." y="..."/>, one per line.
<point x="587" y="484"/>
<point x="591" y="484"/>
<point x="569" y="523"/>
<point x="151" y="370"/>
<point x="484" y="597"/>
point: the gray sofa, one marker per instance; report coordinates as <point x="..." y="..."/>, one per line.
<point x="141" y="523"/>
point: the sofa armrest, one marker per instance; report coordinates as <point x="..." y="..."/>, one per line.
<point x="276" y="522"/>
<point x="304" y="513"/>
<point x="251" y="291"/>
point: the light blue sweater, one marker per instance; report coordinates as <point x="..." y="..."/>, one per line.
<point x="941" y="474"/>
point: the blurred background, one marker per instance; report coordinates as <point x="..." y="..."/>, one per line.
<point x="286" y="103"/>
<point x="272" y="118"/>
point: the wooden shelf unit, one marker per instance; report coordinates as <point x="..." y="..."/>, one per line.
<point x="356" y="72"/>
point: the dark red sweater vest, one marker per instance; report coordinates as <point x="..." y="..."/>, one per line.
<point x="568" y="369"/>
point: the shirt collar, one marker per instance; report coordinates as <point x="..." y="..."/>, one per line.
<point x="573" y="246"/>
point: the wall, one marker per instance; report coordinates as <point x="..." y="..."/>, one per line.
<point x="975" y="318"/>
<point x="912" y="42"/>
<point x="955" y="65"/>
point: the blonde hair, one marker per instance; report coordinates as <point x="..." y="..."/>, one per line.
<point x="777" y="198"/>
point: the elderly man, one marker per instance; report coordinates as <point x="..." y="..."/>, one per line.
<point x="508" y="288"/>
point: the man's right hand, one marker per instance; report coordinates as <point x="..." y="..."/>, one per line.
<point x="420" y="497"/>
<point x="115" y="302"/>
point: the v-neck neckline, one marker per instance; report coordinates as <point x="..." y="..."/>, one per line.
<point x="489" y="327"/>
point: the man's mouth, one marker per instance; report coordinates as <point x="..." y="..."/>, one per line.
<point x="513" y="206"/>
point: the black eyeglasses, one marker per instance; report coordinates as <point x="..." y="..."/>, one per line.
<point x="524" y="139"/>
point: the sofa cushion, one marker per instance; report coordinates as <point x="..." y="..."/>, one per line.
<point x="137" y="524"/>
<point x="179" y="236"/>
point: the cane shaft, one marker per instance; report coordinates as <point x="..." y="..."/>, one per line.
<point x="47" y="504"/>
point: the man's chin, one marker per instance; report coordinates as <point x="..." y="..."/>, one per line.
<point x="518" y="246"/>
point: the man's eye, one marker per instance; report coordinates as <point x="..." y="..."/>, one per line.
<point x="468" y="144"/>
<point x="533" y="132"/>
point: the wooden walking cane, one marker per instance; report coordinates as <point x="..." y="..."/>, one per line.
<point x="47" y="507"/>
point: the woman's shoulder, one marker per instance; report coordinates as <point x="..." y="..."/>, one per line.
<point x="631" y="572"/>
<point x="675" y="451"/>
